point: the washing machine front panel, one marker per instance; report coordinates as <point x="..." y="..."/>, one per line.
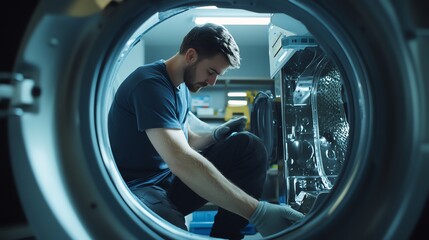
<point x="315" y="126"/>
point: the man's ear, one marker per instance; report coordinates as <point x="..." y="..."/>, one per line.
<point x="191" y="56"/>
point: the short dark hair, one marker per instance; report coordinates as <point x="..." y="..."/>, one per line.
<point x="211" y="39"/>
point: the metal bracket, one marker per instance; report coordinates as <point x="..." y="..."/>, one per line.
<point x="19" y="91"/>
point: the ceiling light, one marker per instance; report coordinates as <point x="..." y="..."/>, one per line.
<point x="233" y="20"/>
<point x="237" y="102"/>
<point x="237" y="94"/>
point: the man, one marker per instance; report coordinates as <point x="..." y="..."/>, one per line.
<point x="175" y="171"/>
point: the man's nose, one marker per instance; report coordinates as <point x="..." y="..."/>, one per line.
<point x="212" y="80"/>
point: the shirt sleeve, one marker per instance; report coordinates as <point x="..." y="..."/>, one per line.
<point x="154" y="105"/>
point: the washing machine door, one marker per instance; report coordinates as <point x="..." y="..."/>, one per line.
<point x="266" y="124"/>
<point x="54" y="93"/>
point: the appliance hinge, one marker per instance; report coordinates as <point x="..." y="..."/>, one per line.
<point x="17" y="94"/>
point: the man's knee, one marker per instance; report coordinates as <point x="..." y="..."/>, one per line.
<point x="247" y="141"/>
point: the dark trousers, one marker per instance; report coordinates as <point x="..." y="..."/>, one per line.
<point x="241" y="158"/>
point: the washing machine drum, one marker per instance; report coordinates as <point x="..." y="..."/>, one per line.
<point x="265" y="123"/>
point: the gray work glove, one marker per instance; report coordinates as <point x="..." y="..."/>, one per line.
<point x="272" y="218"/>
<point x="233" y="125"/>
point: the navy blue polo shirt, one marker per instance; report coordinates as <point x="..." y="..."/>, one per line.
<point x="146" y="99"/>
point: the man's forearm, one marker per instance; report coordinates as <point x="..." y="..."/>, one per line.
<point x="200" y="141"/>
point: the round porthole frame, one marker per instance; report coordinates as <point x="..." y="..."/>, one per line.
<point x="61" y="174"/>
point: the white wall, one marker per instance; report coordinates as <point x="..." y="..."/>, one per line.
<point x="254" y="61"/>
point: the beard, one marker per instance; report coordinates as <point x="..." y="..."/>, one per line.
<point x="189" y="79"/>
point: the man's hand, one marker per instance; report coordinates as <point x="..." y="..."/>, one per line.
<point x="272" y="218"/>
<point x="233" y="125"/>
